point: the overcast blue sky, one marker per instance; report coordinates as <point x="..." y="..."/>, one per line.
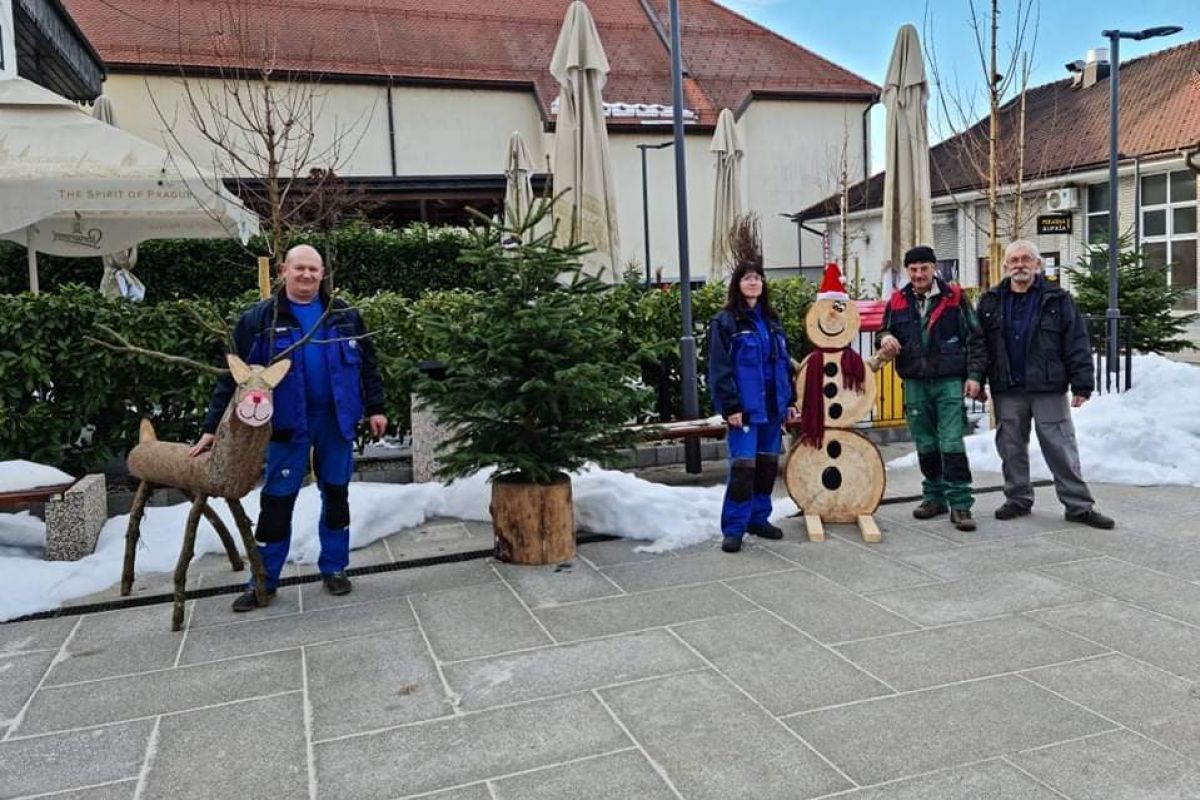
<point x="859" y="34"/>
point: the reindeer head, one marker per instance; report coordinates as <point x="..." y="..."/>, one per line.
<point x="252" y="401"/>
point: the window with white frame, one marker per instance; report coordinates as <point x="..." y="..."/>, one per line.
<point x="1097" y="220"/>
<point x="1169" y="238"/>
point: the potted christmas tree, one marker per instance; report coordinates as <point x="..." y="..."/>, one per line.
<point x="536" y="384"/>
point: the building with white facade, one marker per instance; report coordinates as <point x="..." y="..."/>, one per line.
<point x="1065" y="191"/>
<point x="432" y="89"/>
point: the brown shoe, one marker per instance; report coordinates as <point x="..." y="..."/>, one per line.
<point x="962" y="519"/>
<point x="929" y="509"/>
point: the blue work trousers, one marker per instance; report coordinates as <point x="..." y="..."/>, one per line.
<point x="753" y="464"/>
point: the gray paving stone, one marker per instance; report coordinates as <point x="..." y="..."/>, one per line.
<point x="281" y="633"/>
<point x="117" y="643"/>
<point x="44" y="764"/>
<point x="478" y="791"/>
<point x="1139" y="549"/>
<point x="820" y="607"/>
<point x="476" y="621"/>
<point x="638" y="611"/>
<point x="991" y="780"/>
<point x="17" y="638"/>
<point x="978" y="597"/>
<point x="1161" y="706"/>
<point x="568" y="668"/>
<point x="371" y="555"/>
<point x="892" y="737"/>
<point x="19" y="676"/>
<point x="1047" y="516"/>
<point x="389" y="585"/>
<point x="541" y="587"/>
<point x="148" y="694"/>
<point x="784" y="670"/>
<point x="1116" y="766"/>
<point x="961" y="652"/>
<point x="696" y="569"/>
<point x="122" y="790"/>
<point x="1141" y="587"/>
<point x="413" y="759"/>
<point x="898" y="539"/>
<point x="673" y="719"/>
<point x="1008" y="555"/>
<point x="854" y="566"/>
<point x="249" y="749"/>
<point x="216" y="610"/>
<point x="1147" y="637"/>
<point x="620" y="776"/>
<point x="621" y="551"/>
<point x="373" y="682"/>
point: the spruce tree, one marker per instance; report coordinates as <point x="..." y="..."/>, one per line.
<point x="536" y="383"/>
<point x="1142" y="295"/>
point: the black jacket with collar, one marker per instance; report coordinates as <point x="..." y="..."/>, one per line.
<point x="1058" y="355"/>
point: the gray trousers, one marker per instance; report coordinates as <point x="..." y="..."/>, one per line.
<point x="1051" y="416"/>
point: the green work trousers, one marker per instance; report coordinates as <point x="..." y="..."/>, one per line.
<point x="933" y="408"/>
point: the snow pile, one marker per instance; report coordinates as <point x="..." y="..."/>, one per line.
<point x="17" y="476"/>
<point x="605" y="502"/>
<point x="1146" y="436"/>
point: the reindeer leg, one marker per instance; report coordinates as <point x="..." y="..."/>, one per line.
<point x="185" y="557"/>
<point x="132" y="534"/>
<point x="214" y="519"/>
<point x="257" y="571"/>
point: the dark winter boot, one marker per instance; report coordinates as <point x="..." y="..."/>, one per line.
<point x="929" y="509"/>
<point x="765" y="531"/>
<point x="962" y="519"/>
<point x="337" y="584"/>
<point x="731" y="544"/>
<point x="248" y="601"/>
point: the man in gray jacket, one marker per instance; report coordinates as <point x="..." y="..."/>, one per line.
<point x="1037" y="348"/>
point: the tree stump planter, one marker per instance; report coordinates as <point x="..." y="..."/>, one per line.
<point x="533" y="523"/>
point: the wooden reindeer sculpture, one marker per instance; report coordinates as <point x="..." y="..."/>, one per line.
<point x="229" y="470"/>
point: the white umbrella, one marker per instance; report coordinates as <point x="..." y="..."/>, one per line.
<point x="582" y="166"/>
<point x="907" y="216"/>
<point x="518" y="188"/>
<point x="71" y="185"/>
<point x="727" y="204"/>
<point x="118" y="279"/>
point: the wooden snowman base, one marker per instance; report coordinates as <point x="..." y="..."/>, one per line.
<point x="843" y="481"/>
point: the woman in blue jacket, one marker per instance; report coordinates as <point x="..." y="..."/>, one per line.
<point x="750" y="377"/>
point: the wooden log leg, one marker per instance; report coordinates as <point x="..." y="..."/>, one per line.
<point x="214" y="519"/>
<point x="816" y="531"/>
<point x="257" y="571"/>
<point x="185" y="558"/>
<point x="132" y="534"/>
<point x="868" y="528"/>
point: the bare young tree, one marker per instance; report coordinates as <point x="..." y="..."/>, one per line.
<point x="991" y="156"/>
<point x="838" y="181"/>
<point x="254" y="120"/>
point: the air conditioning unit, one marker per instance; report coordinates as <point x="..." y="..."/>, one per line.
<point x="1065" y="199"/>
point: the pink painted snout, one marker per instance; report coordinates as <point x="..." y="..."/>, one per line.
<point x="255" y="408"/>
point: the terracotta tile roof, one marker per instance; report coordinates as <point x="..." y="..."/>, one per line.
<point x="1067" y="129"/>
<point x="510" y="41"/>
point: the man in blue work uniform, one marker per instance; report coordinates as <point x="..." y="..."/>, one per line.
<point x="334" y="380"/>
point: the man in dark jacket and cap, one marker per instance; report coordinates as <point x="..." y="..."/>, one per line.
<point x="1037" y="348"/>
<point x="932" y="332"/>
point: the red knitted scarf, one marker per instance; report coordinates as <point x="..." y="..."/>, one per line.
<point x="812" y="413"/>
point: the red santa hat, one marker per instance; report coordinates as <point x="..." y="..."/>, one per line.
<point x="832" y="285"/>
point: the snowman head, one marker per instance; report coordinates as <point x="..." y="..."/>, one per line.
<point x="832" y="321"/>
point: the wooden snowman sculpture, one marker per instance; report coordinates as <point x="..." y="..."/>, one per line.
<point x="832" y="473"/>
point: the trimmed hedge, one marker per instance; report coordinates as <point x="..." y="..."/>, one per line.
<point x="363" y="260"/>
<point x="66" y="401"/>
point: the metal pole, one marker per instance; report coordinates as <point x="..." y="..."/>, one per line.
<point x="31" y="255"/>
<point x="645" y="215"/>
<point x="1113" y="312"/>
<point x="687" y="343"/>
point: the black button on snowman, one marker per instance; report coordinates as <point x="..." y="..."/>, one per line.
<point x="832" y="473"/>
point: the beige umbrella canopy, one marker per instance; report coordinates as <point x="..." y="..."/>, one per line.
<point x="727" y="204"/>
<point x="582" y="166"/>
<point x="907" y="216"/>
<point x="518" y="187"/>
<point x="118" y="279"/>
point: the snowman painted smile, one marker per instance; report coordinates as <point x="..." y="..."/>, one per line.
<point x="837" y="315"/>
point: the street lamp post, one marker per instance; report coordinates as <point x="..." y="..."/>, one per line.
<point x="1114" y="76"/>
<point x="687" y="342"/>
<point x="646" y="201"/>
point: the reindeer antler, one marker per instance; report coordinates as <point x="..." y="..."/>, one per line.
<point x="125" y="346"/>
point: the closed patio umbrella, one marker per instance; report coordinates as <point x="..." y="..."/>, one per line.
<point x="118" y="279"/>
<point x="727" y="203"/>
<point x="518" y="187"/>
<point x="907" y="216"/>
<point x="587" y="212"/>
